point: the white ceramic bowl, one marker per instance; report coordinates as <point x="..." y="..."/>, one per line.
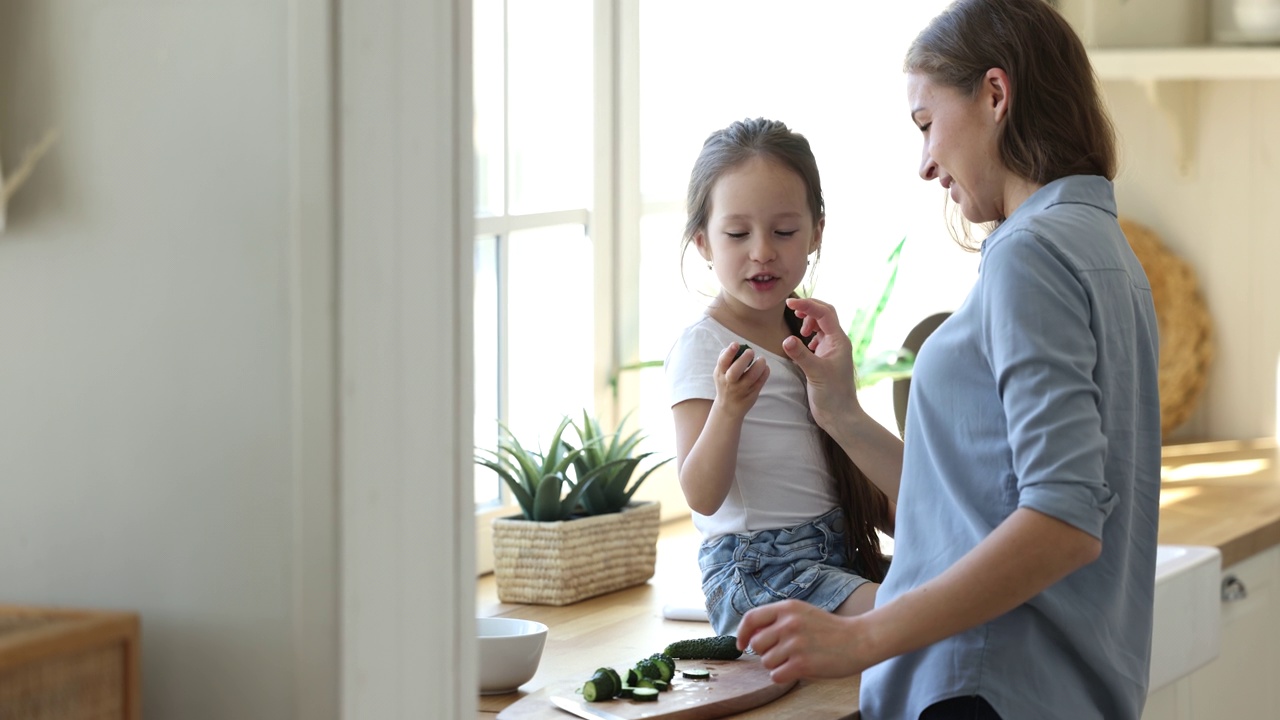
<point x="510" y="650"/>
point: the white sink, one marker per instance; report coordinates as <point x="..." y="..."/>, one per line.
<point x="1188" y="615"/>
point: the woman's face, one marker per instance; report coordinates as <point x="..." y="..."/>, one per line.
<point x="961" y="144"/>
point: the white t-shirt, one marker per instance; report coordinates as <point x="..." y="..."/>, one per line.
<point x="781" y="479"/>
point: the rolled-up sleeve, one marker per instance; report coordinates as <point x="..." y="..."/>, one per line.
<point x="1040" y="342"/>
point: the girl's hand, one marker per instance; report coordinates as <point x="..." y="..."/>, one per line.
<point x="738" y="382"/>
<point x="827" y="362"/>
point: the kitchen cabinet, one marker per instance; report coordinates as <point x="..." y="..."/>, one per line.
<point x="1171" y="78"/>
<point x="1243" y="681"/>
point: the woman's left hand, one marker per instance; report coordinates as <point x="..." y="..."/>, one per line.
<point x="827" y="362"/>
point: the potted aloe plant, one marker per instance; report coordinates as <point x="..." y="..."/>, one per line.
<point x="579" y="533"/>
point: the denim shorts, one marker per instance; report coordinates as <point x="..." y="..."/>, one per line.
<point x="746" y="570"/>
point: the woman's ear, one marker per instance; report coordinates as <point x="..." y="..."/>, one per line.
<point x="997" y="93"/>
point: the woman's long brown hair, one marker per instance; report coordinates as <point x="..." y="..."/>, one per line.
<point x="865" y="507"/>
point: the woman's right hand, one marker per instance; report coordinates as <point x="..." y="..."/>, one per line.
<point x="827" y="363"/>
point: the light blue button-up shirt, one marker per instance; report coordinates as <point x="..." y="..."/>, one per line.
<point x="1041" y="392"/>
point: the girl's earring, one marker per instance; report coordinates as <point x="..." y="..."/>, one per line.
<point x="708" y="264"/>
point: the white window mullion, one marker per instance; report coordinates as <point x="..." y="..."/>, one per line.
<point x="507" y="224"/>
<point x="663" y="484"/>
<point x="605" y="226"/>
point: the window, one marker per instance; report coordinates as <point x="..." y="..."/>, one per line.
<point x="831" y="70"/>
<point x="534" y="106"/>
<point x="675" y="72"/>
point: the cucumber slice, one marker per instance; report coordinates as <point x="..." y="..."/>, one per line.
<point x="661" y="685"/>
<point x="666" y="666"/>
<point x="650" y="669"/>
<point x="644" y="694"/>
<point x="626" y="691"/>
<point x="600" y="687"/>
<point x="613" y="675"/>
<point x="696" y="673"/>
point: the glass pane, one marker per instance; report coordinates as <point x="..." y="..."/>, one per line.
<point x="550" y="330"/>
<point x="487" y="348"/>
<point x="669" y="303"/>
<point x="488" y="55"/>
<point x="551" y="114"/>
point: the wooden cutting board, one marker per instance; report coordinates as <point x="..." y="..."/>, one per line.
<point x="734" y="686"/>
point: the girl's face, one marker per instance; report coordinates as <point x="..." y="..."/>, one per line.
<point x="759" y="234"/>
<point x="961" y="144"/>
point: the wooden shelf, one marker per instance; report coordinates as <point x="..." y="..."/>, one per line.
<point x="1171" y="78"/>
<point x="1189" y="63"/>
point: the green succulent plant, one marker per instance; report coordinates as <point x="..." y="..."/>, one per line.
<point x="538" y="479"/>
<point x="891" y="364"/>
<point x="608" y="462"/>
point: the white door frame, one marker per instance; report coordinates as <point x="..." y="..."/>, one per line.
<point x="313" y="352"/>
<point x="405" y="263"/>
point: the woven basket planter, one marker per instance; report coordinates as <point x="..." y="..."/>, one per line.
<point x="558" y="563"/>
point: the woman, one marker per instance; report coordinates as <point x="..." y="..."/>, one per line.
<point x="1027" y="486"/>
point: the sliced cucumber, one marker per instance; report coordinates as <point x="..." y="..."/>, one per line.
<point x="644" y="694"/>
<point x="666" y="667"/>
<point x="613" y="675"/>
<point x="661" y="685"/>
<point x="650" y="669"/>
<point x="600" y="687"/>
<point x="696" y="673"/>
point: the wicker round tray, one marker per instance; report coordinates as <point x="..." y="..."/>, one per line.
<point x="1186" y="330"/>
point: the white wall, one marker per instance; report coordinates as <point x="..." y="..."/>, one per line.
<point x="1224" y="219"/>
<point x="150" y="430"/>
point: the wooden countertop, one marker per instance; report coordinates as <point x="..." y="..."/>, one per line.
<point x="628" y="624"/>
<point x="1222" y="494"/>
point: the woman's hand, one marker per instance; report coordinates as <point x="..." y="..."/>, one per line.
<point x="827" y="362"/>
<point x="1023" y="556"/>
<point x="739" y="382"/>
<point x="796" y="640"/>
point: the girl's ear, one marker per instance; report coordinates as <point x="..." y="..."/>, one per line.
<point x="996" y="93"/>
<point x="816" y="243"/>
<point x="700" y="240"/>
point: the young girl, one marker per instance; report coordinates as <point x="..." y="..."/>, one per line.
<point x="782" y="510"/>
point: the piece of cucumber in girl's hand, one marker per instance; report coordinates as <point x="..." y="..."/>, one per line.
<point x="741" y="349"/>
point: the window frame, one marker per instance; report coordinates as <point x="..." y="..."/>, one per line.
<point x="612" y="224"/>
